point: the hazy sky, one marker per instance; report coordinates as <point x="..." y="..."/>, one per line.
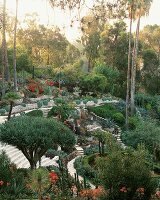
<point x="48" y="16"/>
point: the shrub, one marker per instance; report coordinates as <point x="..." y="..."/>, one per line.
<point x="85" y="101"/>
<point x="148" y="106"/>
<point x="133" y="122"/>
<point x="78" y="101"/>
<point x="91" y="150"/>
<point x="23" y="104"/>
<point x="126" y="170"/>
<point x="146" y="132"/>
<point x="39" y="104"/>
<point x="84" y="170"/>
<point x="7" y="108"/>
<point x="95" y="100"/>
<point x="105" y="111"/>
<point x="45" y="102"/>
<point x="119" y="118"/>
<point x="35" y="113"/>
<point x="2" y="111"/>
<point x="50" y="153"/>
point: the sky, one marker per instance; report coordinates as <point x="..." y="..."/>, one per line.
<point x="48" y="16"/>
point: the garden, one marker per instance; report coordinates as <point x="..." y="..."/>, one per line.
<point x="80" y="120"/>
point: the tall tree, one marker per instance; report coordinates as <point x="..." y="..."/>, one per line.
<point x="131" y="3"/>
<point x="141" y="8"/>
<point x="15" y="49"/>
<point x="6" y="74"/>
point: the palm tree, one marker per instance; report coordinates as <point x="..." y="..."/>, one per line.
<point x="14" y="49"/>
<point x="141" y="8"/>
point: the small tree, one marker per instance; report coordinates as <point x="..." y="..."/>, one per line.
<point x="62" y="110"/>
<point x="35" y="135"/>
<point x="125" y="175"/>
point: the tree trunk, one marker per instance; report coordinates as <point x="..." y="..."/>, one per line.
<point x="99" y="146"/>
<point x="129" y="69"/>
<point x="89" y="65"/>
<point x="10" y="110"/>
<point x="14" y="50"/>
<point x="48" y="57"/>
<point x="4" y="46"/>
<point x="133" y="70"/>
<point x="32" y="164"/>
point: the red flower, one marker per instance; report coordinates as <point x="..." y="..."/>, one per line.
<point x="53" y="177"/>
<point x="1" y="183"/>
<point x="50" y="83"/>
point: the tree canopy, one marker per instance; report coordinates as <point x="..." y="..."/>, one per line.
<point x="35" y="135"/>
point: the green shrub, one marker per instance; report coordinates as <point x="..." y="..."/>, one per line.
<point x="35" y="113"/>
<point x="23" y="104"/>
<point x="148" y="106"/>
<point x="45" y="102"/>
<point x="7" y="108"/>
<point x="95" y="100"/>
<point x="89" y="160"/>
<point x="84" y="169"/>
<point x="85" y="101"/>
<point x="105" y="111"/>
<point x="119" y="118"/>
<point x="47" y="90"/>
<point x="39" y="104"/>
<point x="59" y="100"/>
<point x="133" y="122"/>
<point x="104" y="98"/>
<point x="64" y="93"/>
<point x="91" y="150"/>
<point x="78" y="101"/>
<point x="51" y="153"/>
<point x="2" y="111"/>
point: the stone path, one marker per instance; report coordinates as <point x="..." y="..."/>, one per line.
<point x="72" y="170"/>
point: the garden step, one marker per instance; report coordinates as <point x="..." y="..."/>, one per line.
<point x="8" y="148"/>
<point x="17" y="157"/>
<point x="80" y="150"/>
<point x="14" y="153"/>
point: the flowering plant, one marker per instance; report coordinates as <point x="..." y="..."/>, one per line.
<point x="53" y="177"/>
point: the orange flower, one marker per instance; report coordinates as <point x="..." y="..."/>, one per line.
<point x="158" y="194"/>
<point x="8" y="183"/>
<point x="28" y="186"/>
<point x="140" y="190"/>
<point x="94" y="193"/>
<point x="123" y="189"/>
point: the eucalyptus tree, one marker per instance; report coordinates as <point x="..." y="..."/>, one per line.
<point x="14" y="49"/>
<point x="5" y="69"/>
<point x="142" y="8"/>
<point x="130" y="10"/>
<point x="4" y="45"/>
<point x="136" y="9"/>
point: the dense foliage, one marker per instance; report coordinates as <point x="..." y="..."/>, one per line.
<point x="35" y="135"/>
